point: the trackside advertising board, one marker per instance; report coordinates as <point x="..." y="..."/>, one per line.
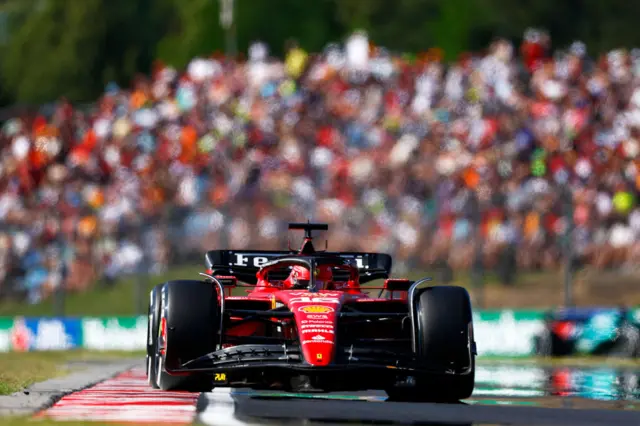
<point x="39" y="334"/>
<point x="507" y="333"/>
<point x="497" y="333"/>
<point x="124" y="333"/>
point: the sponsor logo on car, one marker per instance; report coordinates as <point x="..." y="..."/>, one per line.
<point x="328" y="342"/>
<point x="317" y="317"/>
<point x="316" y="309"/>
<point x="319" y="325"/>
<point x="314" y="300"/>
<point x="317" y="330"/>
<point x="308" y="294"/>
<point x="242" y="260"/>
<point x="311" y="324"/>
<point x="318" y="337"/>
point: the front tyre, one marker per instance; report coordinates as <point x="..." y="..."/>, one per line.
<point x="191" y="313"/>
<point x="153" y="325"/>
<point x="444" y="336"/>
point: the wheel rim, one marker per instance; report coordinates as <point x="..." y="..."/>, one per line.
<point x="149" y="349"/>
<point x="149" y="334"/>
<point x="159" y="365"/>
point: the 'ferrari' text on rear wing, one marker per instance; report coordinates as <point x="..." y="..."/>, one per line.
<point x="245" y="264"/>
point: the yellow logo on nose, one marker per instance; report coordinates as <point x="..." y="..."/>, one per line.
<point x="316" y="309"/>
<point x="319" y="357"/>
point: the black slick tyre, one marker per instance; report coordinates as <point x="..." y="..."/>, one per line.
<point x="191" y="312"/>
<point x="444" y="337"/>
<point x="543" y="343"/>
<point x="153" y="325"/>
<point x="628" y="344"/>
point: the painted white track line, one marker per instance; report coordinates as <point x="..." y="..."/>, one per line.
<point x="220" y="409"/>
<point x="125" y="398"/>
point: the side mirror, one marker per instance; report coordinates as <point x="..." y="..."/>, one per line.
<point x="227" y="281"/>
<point x="397" y="284"/>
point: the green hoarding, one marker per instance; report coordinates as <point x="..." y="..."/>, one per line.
<point x="116" y="333"/>
<point x="6" y="325"/>
<point x="507" y="333"/>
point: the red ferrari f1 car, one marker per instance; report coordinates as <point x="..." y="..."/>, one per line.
<point x="308" y="323"/>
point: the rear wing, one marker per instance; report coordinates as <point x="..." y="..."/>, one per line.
<point x="245" y="264"/>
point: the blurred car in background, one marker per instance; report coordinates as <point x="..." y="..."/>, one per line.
<point x="601" y="383"/>
<point x="589" y="331"/>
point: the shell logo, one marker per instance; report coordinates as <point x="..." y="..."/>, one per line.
<point x="316" y="309"/>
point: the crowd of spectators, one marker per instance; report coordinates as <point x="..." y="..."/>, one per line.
<point x="400" y="156"/>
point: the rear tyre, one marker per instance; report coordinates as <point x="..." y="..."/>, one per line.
<point x="152" y="334"/>
<point x="628" y="344"/>
<point x="543" y="343"/>
<point x="192" y="314"/>
<point x="445" y="337"/>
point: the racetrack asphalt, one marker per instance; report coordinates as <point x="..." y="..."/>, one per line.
<point x="504" y="395"/>
<point x="253" y="410"/>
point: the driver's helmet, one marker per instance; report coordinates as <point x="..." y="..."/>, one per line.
<point x="300" y="277"/>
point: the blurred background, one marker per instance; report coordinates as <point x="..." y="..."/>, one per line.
<point x="487" y="143"/>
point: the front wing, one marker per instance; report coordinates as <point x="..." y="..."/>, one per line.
<point x="244" y="364"/>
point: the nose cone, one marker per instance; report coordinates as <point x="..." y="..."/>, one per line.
<point x="316" y="329"/>
<point x="316" y="316"/>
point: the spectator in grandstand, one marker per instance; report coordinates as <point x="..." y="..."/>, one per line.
<point x="408" y="157"/>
